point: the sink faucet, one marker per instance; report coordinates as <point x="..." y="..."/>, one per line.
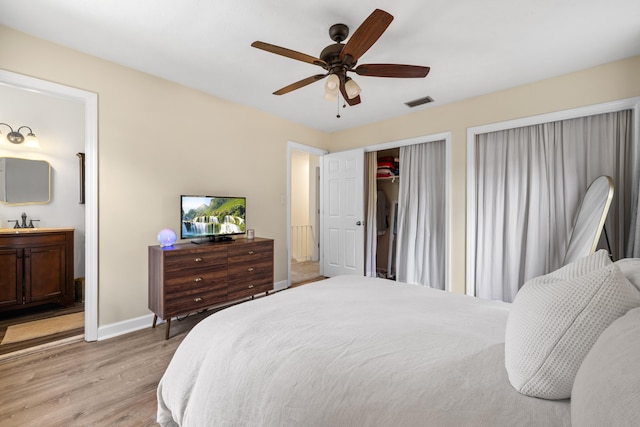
<point x="23" y="224"/>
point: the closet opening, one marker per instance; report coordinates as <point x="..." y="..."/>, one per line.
<point x="387" y="183"/>
<point x="529" y="175"/>
<point x="407" y="211"/>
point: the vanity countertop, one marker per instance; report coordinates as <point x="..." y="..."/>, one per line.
<point x="32" y="230"/>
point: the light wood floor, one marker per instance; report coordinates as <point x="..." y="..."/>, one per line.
<point x="105" y="383"/>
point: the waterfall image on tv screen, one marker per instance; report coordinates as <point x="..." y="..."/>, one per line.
<point x="209" y="216"/>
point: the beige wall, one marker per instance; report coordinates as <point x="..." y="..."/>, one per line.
<point x="605" y="83"/>
<point x="157" y="140"/>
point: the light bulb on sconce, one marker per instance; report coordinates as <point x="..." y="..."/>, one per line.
<point x="16" y="137"/>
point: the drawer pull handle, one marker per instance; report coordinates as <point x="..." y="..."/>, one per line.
<point x="250" y="286"/>
<point x="198" y="299"/>
<point x="197" y="259"/>
<point x="251" y="252"/>
<point x="250" y="269"/>
<point x="197" y="279"/>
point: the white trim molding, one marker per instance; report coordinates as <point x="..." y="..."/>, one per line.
<point x="126" y="326"/>
<point x="281" y="285"/>
<point x="472" y="132"/>
<point x="90" y="102"/>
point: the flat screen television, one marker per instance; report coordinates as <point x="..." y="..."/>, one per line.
<point x="210" y="218"/>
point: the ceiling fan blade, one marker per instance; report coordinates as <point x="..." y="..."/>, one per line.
<point x="289" y="53"/>
<point x="299" y="84"/>
<point x="366" y="35"/>
<point x="392" y="70"/>
<point x="343" y="91"/>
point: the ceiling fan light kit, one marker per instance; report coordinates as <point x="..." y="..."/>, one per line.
<point x="330" y="97"/>
<point x="331" y="87"/>
<point x="338" y="59"/>
<point x="352" y="88"/>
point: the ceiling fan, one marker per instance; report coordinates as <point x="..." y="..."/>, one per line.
<point x="338" y="59"/>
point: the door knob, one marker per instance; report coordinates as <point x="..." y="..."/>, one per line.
<point x="360" y="223"/>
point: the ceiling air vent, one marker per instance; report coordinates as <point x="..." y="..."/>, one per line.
<point x="416" y="102"/>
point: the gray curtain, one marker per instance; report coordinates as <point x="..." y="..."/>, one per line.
<point x="529" y="184"/>
<point x="421" y="215"/>
<point x="370" y="192"/>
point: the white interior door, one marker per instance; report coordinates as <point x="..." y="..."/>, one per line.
<point x="343" y="213"/>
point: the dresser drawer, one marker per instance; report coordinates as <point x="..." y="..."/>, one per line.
<point x="194" y="279"/>
<point x="178" y="262"/>
<point x="259" y="270"/>
<point x="250" y="252"/>
<point x="192" y="301"/>
<point x="246" y="280"/>
<point x="245" y="290"/>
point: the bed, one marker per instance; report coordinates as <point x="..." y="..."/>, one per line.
<point x="351" y="351"/>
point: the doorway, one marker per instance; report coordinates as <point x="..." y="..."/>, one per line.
<point x="86" y="242"/>
<point x="304" y="214"/>
<point x="38" y="282"/>
<point x="305" y="219"/>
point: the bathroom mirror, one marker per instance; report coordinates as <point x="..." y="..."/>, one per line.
<point x="24" y="181"/>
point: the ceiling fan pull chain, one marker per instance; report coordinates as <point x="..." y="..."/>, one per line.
<point x="338" y="105"/>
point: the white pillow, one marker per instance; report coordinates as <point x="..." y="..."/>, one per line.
<point x="555" y="320"/>
<point x="630" y="267"/>
<point x="606" y="391"/>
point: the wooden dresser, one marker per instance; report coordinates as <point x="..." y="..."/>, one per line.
<point x="36" y="267"/>
<point x="186" y="278"/>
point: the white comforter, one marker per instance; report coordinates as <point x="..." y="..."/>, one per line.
<point x="350" y="351"/>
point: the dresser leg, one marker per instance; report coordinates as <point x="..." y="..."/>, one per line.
<point x="166" y="335"/>
<point x="155" y="319"/>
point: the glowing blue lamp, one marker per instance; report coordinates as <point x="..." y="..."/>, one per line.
<point x="166" y="237"/>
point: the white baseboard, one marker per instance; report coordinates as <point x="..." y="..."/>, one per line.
<point x="126" y="326"/>
<point x="278" y="286"/>
<point x="132" y="325"/>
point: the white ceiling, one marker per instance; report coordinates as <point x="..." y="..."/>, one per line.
<point x="473" y="47"/>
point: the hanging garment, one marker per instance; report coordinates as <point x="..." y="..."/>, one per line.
<point x="382" y="214"/>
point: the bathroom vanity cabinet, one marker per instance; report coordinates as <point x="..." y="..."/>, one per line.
<point x="37" y="267"/>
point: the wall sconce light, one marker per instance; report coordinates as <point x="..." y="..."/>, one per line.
<point x="16" y="137"/>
